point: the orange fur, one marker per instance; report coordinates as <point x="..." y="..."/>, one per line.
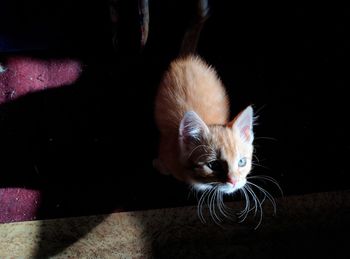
<point x="191" y="85"/>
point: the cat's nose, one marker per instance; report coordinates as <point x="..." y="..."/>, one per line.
<point x="231" y="180"/>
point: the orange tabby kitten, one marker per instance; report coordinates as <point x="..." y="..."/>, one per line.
<point x="198" y="142"/>
<point x="199" y="145"/>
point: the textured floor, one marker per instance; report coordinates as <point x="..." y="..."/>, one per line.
<point x="309" y="225"/>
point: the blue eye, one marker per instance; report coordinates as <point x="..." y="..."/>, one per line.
<point x="242" y="162"/>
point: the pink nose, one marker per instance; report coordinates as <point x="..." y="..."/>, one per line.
<point x="231" y="180"/>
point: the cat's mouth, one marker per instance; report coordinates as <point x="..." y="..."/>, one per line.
<point x="229" y="188"/>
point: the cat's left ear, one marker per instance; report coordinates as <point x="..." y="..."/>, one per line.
<point x="192" y="129"/>
<point x="244" y="123"/>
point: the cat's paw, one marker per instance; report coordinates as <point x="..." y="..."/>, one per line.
<point x="159" y="166"/>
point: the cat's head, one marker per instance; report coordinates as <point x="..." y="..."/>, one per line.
<point x="217" y="155"/>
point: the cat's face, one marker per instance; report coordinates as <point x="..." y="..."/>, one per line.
<point x="217" y="155"/>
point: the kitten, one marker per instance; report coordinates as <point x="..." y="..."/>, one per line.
<point x="198" y="142"/>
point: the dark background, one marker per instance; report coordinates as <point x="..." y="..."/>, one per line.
<point x="89" y="147"/>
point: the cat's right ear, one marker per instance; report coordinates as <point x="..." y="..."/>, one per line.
<point x="244" y="123"/>
<point x="192" y="128"/>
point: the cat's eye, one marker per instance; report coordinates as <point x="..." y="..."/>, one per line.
<point x="216" y="166"/>
<point x="242" y="162"/>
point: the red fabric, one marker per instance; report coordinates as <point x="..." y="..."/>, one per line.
<point x="23" y="75"/>
<point x="18" y="204"/>
<point x="19" y="76"/>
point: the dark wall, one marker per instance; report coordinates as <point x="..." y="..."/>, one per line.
<point x="290" y="61"/>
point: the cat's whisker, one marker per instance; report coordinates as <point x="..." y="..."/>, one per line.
<point x="255" y="164"/>
<point x="243" y="216"/>
<point x="255" y="207"/>
<point x="256" y="157"/>
<point x="257" y="112"/>
<point x="247" y="204"/>
<point x="205" y="200"/>
<point x="224" y="210"/>
<point x="211" y="203"/>
<point x="213" y="199"/>
<point x="244" y="195"/>
<point x="204" y="203"/>
<point x="263" y="199"/>
<point x="259" y="204"/>
<point x="200" y="206"/>
<point x="219" y="202"/>
<point x="229" y="211"/>
<point x="267" y="178"/>
<point x="216" y="204"/>
<point x="265" y="138"/>
<point x="244" y="213"/>
<point x="267" y="194"/>
<point x="197" y="193"/>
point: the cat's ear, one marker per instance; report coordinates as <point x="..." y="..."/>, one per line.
<point x="192" y="128"/>
<point x="244" y="123"/>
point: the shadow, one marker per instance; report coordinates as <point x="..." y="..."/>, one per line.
<point x="66" y="142"/>
<point x="245" y="243"/>
<point x="88" y="147"/>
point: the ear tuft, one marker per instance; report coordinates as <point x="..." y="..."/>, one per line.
<point x="192" y="127"/>
<point x="244" y="123"/>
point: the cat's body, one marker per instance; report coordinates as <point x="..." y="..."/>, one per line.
<point x="192" y="114"/>
<point x="189" y="85"/>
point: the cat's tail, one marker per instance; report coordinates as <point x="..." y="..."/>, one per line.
<point x="191" y="37"/>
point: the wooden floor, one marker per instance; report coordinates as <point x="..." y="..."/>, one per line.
<point x="304" y="226"/>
